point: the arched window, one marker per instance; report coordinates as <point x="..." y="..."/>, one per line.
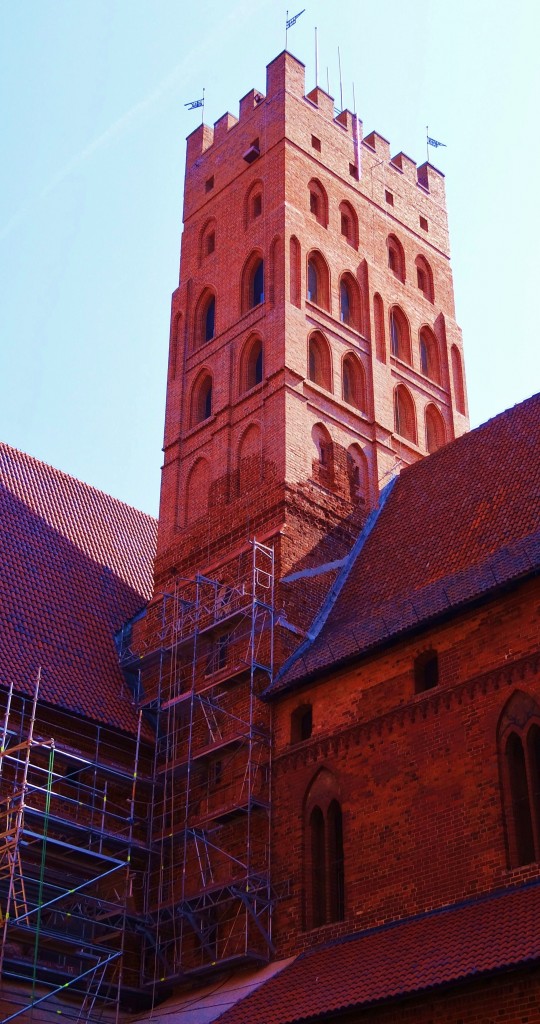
<point x="404" y="414"/>
<point x="324" y="853"/>
<point x="294" y="256"/>
<point x="318" y="202"/>
<point x="253" y="282"/>
<point x="253" y="202"/>
<point x="350" y="302"/>
<point x="201" y="399"/>
<point x="357" y="472"/>
<point x="519" y="751"/>
<point x="319" y="361"/>
<point x="424" y="278"/>
<point x="400" y="338"/>
<point x="207" y="239"/>
<point x="426" y="671"/>
<point x="251" y="364"/>
<point x="250" y="459"/>
<point x="205" y="318"/>
<point x="396" y="257"/>
<point x="429" y="355"/>
<point x="318" y="280"/>
<point x="197" y="489"/>
<point x="457" y="377"/>
<point x="353" y="382"/>
<point x="322" y="466"/>
<point x="435" y="434"/>
<point x="380" y="340"/>
<point x="349" y="223"/>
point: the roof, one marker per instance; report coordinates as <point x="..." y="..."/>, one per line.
<point x="76" y="564"/>
<point x="443" y="947"/>
<point x="455" y="526"/>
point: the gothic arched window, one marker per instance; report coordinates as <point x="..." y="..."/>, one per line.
<point x="519" y="752"/>
<point x="324" y="853"/>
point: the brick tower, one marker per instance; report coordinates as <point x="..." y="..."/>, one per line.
<point x="313" y="351"/>
<point x="313" y="342"/>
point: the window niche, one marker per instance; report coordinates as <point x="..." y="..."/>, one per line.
<point x="324" y="861"/>
<point x="518" y="737"/>
<point x="302" y="723"/>
<point x="426" y="671"/>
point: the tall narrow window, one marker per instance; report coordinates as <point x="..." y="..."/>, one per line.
<point x="257" y="291"/>
<point x="318" y="280"/>
<point x="435" y="435"/>
<point x="400" y="339"/>
<point x="344" y="302"/>
<point x="201" y="399"/>
<point x="521" y="807"/>
<point x="318" y="868"/>
<point x="210" y="320"/>
<point x="319" y="361"/>
<point x="457" y="377"/>
<point x="336" y="880"/>
<point x="324" y="848"/>
<point x="404" y="414"/>
<point x="313" y="282"/>
<point x="519" y="751"/>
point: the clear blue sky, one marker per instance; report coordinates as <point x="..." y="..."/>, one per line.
<point x="91" y="179"/>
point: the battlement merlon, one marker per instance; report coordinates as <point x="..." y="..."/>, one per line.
<point x="286" y="74"/>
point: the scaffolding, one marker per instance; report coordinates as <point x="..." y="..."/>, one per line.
<point x="72" y="851"/>
<point x="198" y="663"/>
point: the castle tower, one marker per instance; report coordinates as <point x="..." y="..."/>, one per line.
<point x="313" y="346"/>
<point x="313" y="352"/>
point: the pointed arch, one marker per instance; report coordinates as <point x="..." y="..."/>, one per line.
<point x="322" y="465"/>
<point x="250" y="459"/>
<point x="253" y="202"/>
<point x="318" y="201"/>
<point x="251" y="364"/>
<point x="197" y="491"/>
<point x="201" y="405"/>
<point x="318" y="280"/>
<point x="294" y="270"/>
<point x="424" y="278"/>
<point x="207" y="239"/>
<point x="457" y="378"/>
<point x="404" y="414"/>
<point x="518" y="741"/>
<point x="349" y="223"/>
<point x="324" y="859"/>
<point x="435" y="432"/>
<point x="358" y="475"/>
<point x="400" y="335"/>
<point x="319" y="361"/>
<point x="252" y="282"/>
<point x="396" y="257"/>
<point x="350" y="302"/>
<point x="205" y="318"/>
<point x="380" y="339"/>
<point x="353" y="382"/>
<point x="430" y="363"/>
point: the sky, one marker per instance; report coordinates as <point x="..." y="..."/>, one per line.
<point x="93" y="96"/>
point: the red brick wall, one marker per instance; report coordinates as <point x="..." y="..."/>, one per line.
<point x="418" y="775"/>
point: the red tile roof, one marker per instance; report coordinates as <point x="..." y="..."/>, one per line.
<point x="456" y="526"/>
<point x="440" y="948"/>
<point x="75" y="565"/>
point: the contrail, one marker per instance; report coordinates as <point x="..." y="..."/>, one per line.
<point x="192" y="63"/>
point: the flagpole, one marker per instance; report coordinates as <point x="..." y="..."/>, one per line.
<point x="316" y="59"/>
<point x="427" y="143"/>
<point x="286" y="27"/>
<point x="202" y="108"/>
